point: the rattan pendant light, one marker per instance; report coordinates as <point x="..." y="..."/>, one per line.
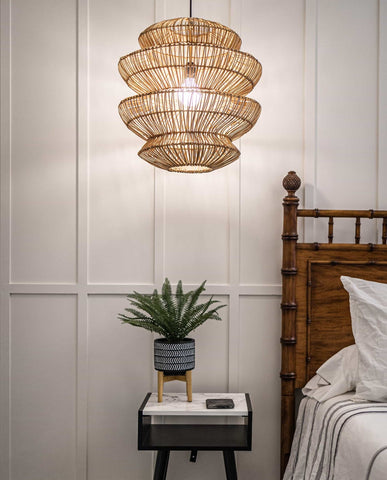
<point x="191" y="80"/>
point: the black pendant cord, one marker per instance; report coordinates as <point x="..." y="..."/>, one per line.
<point x="190" y="8"/>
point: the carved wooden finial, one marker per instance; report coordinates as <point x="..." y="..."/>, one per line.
<point x="291" y="182"/>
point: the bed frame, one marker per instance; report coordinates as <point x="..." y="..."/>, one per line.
<point x="315" y="309"/>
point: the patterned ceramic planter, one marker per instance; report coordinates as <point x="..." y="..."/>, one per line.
<point x="174" y="357"/>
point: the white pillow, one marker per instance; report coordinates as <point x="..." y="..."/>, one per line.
<point x="368" y="304"/>
<point x="336" y="376"/>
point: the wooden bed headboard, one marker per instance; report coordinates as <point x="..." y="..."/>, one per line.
<point x="315" y="309"/>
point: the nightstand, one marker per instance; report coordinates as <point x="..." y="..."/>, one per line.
<point x="231" y="432"/>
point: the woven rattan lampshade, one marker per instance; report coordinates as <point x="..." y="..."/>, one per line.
<point x="191" y="80"/>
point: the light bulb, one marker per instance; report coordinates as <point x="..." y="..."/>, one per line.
<point x="187" y="96"/>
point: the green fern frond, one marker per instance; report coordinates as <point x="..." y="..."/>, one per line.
<point x="173" y="316"/>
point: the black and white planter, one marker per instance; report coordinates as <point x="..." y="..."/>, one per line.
<point x="174" y="358"/>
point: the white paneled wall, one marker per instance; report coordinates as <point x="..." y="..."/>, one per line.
<point x="85" y="221"/>
<point x="347" y="57"/>
<point x="277" y="39"/>
<point x="346" y="126"/>
<point x="117" y="378"/>
<point x="43" y="142"/>
<point x="43" y="386"/>
<point x="121" y="192"/>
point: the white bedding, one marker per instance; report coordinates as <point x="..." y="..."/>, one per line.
<point x="339" y="439"/>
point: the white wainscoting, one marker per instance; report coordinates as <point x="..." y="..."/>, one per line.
<point x="85" y="221"/>
<point x="345" y="122"/>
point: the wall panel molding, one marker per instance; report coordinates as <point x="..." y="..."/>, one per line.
<point x="234" y="22"/>
<point x="160" y="13"/>
<point x="310" y="105"/>
<point x="5" y="96"/>
<point x="5" y="407"/>
<point x="159" y="227"/>
<point x="310" y="115"/>
<point x="382" y="107"/>
<point x="5" y="124"/>
<point x="234" y="272"/>
<point x="82" y="236"/>
<point x="120" y="289"/>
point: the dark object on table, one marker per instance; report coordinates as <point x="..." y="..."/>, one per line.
<point x="220" y="403"/>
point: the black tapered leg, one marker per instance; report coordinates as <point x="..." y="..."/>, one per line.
<point x="193" y="456"/>
<point x="161" y="465"/>
<point x="229" y="464"/>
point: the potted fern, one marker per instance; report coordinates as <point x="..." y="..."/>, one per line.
<point x="174" y="317"/>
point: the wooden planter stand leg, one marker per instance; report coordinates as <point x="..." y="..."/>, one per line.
<point x="188" y="378"/>
<point x="160" y="386"/>
<point x="161" y="379"/>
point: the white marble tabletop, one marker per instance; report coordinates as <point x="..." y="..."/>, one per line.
<point x="176" y="404"/>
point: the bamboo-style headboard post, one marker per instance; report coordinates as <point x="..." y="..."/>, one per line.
<point x="291" y="183"/>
